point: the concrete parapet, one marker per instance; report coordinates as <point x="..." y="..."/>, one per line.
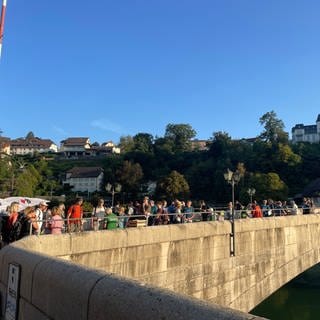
<point x="139" y="303"/>
<point x="11" y="254"/>
<point x="62" y="290"/>
<point x="192" y="259"/>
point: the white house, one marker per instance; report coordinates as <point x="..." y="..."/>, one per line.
<point x="85" y="179"/>
<point x="74" y="147"/>
<point x="110" y="147"/>
<point x="32" y="145"/>
<point x="309" y="133"/>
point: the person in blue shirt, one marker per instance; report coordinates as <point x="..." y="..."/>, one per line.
<point x="189" y="211"/>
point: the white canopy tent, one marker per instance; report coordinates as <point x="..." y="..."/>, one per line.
<point x="23" y="202"/>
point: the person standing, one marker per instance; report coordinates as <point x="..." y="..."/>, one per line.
<point x="294" y="208"/>
<point x="189" y="211"/>
<point x="26" y="224"/>
<point x="229" y="212"/>
<point x="74" y="216"/>
<point x="306" y="206"/>
<point x="161" y="216"/>
<point x="179" y="217"/>
<point x="98" y="215"/>
<point x="41" y="213"/>
<point x="204" y="211"/>
<point x="265" y="209"/>
<point x="122" y="218"/>
<point x="130" y="209"/>
<point x="13" y="213"/>
<point x="56" y="222"/>
<point x="111" y="219"/>
<point x="62" y="209"/>
<point x="256" y="211"/>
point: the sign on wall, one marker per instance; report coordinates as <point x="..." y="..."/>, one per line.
<point x="12" y="302"/>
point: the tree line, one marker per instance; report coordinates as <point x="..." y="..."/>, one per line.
<point x="168" y="167"/>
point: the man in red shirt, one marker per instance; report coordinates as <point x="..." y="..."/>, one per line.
<point x="74" y="216"/>
<point x="256" y="211"/>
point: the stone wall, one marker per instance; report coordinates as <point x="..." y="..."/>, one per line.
<point x="51" y="288"/>
<point x="194" y="259"/>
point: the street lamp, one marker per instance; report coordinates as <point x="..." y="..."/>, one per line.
<point x="232" y="178"/>
<point x="251" y="192"/>
<point x="113" y="189"/>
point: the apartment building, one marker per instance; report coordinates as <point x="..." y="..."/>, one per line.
<point x="306" y="133"/>
<point x="30" y="146"/>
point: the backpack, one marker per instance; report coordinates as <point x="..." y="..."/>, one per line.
<point x="3" y="228"/>
<point x="14" y="233"/>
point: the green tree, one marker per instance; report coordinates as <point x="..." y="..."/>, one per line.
<point x="173" y="186"/>
<point x="143" y="142"/>
<point x="273" y="128"/>
<point x="219" y="144"/>
<point x="287" y="156"/>
<point x="181" y="135"/>
<point x="200" y="176"/>
<point x="5" y="176"/>
<point x="130" y="175"/>
<point x="164" y="147"/>
<point x="30" y="135"/>
<point x="268" y="185"/>
<point x="126" y="144"/>
<point x="26" y="182"/>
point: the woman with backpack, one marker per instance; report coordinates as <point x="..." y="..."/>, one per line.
<point x="26" y="224"/>
<point x="9" y="220"/>
<point x="29" y="223"/>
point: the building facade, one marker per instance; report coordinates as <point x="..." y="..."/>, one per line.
<point x="4" y="146"/>
<point x="31" y="146"/>
<point x="85" y="179"/>
<point x="199" y="145"/>
<point x="75" y="147"/>
<point x="308" y="133"/>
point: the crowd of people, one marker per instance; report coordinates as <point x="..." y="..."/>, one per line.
<point x="16" y="223"/>
<point x="269" y="208"/>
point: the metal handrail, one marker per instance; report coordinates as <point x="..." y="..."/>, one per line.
<point x="213" y="214"/>
<point x="222" y="212"/>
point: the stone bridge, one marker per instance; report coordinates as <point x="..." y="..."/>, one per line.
<point x="144" y="268"/>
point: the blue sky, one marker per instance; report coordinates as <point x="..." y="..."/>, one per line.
<point x="106" y="69"/>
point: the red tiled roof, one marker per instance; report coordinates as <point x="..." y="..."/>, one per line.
<point x="31" y="143"/>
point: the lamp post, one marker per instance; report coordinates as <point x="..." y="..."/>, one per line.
<point x="113" y="189"/>
<point x="232" y="178"/>
<point x="251" y="192"/>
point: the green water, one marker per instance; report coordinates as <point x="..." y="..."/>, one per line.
<point x="298" y="300"/>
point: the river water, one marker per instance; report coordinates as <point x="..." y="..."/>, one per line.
<point x="297" y="300"/>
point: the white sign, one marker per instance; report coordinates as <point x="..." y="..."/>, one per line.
<point x="12" y="303"/>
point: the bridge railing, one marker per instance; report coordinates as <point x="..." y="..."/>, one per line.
<point x="214" y="214"/>
<point x="89" y="223"/>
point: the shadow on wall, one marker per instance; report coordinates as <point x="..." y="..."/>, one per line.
<point x="52" y="288"/>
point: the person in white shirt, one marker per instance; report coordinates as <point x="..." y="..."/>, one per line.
<point x="40" y="214"/>
<point x="98" y="215"/>
<point x="294" y="208"/>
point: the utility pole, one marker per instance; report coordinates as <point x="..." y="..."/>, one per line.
<point x="3" y="13"/>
